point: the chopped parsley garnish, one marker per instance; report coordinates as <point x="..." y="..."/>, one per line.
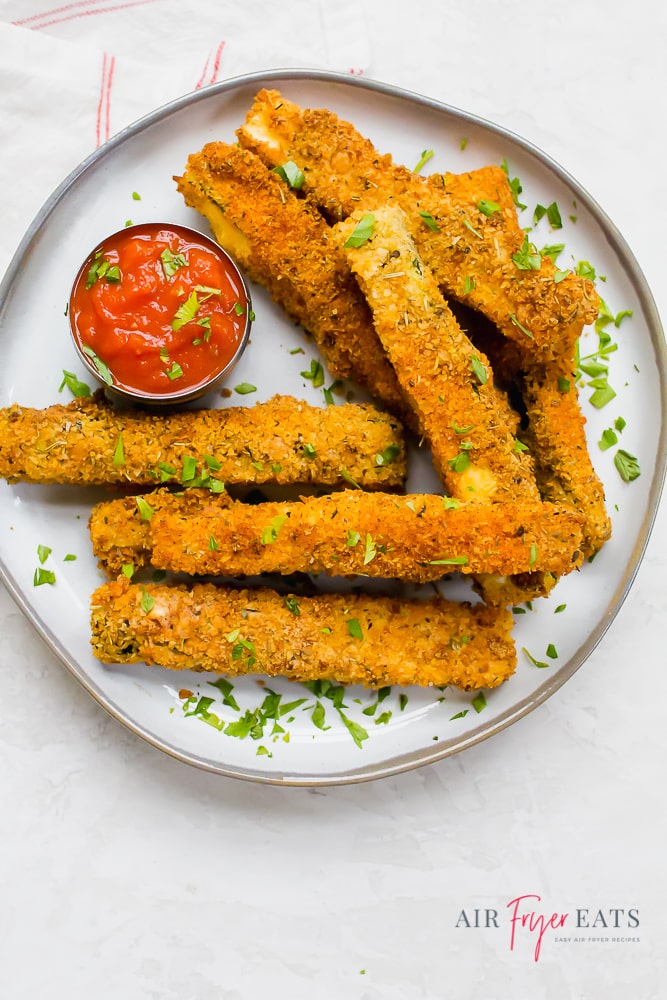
<point x="627" y="465"/>
<point x="520" y="326"/>
<point x="585" y="270"/>
<point x="449" y="561"/>
<point x="361" y="232"/>
<point x="553" y="251"/>
<point x="145" y="510"/>
<point x="609" y="438"/>
<point x="552" y="213"/>
<point x="43" y="553"/>
<point x="528" y="257"/>
<point x="427" y="154"/>
<point x="186" y="312"/>
<point x="309" y="451"/>
<point x="213" y="544"/>
<point x="468" y="285"/>
<point x="354" y="628"/>
<point x="430" y="222"/>
<point x="451" y="503"/>
<point x="328" y="392"/>
<point x="472" y="229"/>
<point x="271" y="532"/>
<point x="101" y="368"/>
<point x="488" y="208"/>
<point x="175" y="371"/>
<point x="102" y="268"/>
<point x="479" y="702"/>
<point x="479" y="370"/>
<point x="136" y="196"/>
<point x="76" y="387"/>
<point x="389" y="455"/>
<point x="369" y="551"/>
<point x="353" y="538"/>
<point x="171" y="262"/>
<point x="564" y="384"/>
<point x="292" y="605"/>
<point x="515" y="186"/>
<point x="244" y="388"/>
<point x="238" y="309"/>
<point x="552" y="652"/>
<point x="291" y="174"/>
<point x="559" y="609"/>
<point x="315" y="374"/>
<point x="536" y="663"/>
<point x="348" y="478"/>
<point x="460" y="463"/>
<point x="43" y="576"/>
<point x="147" y="601"/>
<point x="119" y="453"/>
<point x="189" y="470"/>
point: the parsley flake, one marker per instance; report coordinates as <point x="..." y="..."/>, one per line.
<point x="627" y="465"/>
<point x="291" y="174"/>
<point x="427" y="154"/>
<point x="361" y="232"/>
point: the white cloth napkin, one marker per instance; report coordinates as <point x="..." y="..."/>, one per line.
<point x="73" y="74"/>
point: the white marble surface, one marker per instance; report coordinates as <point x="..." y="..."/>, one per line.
<point x="126" y="874"/>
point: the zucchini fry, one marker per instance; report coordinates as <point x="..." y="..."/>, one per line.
<point x="557" y="438"/>
<point x="282" y="441"/>
<point x="281" y="242"/>
<point x="474" y="256"/>
<point x="450" y="384"/>
<point x="415" y="538"/>
<point x="348" y="639"/>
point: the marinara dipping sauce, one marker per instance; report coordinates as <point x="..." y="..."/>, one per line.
<point x="159" y="313"/>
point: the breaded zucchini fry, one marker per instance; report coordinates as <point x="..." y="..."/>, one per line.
<point x="281" y="441"/>
<point x="281" y="242"/>
<point x="450" y="384"/>
<point x="557" y="439"/>
<point x="348" y="639"/>
<point x="415" y="538"/>
<point x="473" y="254"/>
<point x="554" y="432"/>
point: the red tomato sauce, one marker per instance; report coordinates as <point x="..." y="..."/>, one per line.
<point x="158" y="309"/>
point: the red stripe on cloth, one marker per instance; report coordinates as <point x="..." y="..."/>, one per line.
<point x="107" y="99"/>
<point x="57" y="10"/>
<point x="100" y="103"/>
<point x="214" y="69"/>
<point x="201" y="79"/>
<point x="84" y="13"/>
<point x="216" y="64"/>
<point x="103" y="122"/>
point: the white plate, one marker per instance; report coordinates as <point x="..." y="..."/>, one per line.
<point x="97" y="199"/>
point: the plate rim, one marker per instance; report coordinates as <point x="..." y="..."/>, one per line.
<point x="427" y="755"/>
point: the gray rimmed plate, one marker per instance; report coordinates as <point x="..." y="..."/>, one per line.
<point x="407" y="728"/>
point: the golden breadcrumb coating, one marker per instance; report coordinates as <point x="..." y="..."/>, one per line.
<point x="414" y="538"/>
<point x="554" y="432"/>
<point x="281" y="243"/>
<point x="470" y="251"/>
<point x="281" y="441"/>
<point x="449" y="382"/>
<point x="556" y="437"/>
<point x="347" y="639"/>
